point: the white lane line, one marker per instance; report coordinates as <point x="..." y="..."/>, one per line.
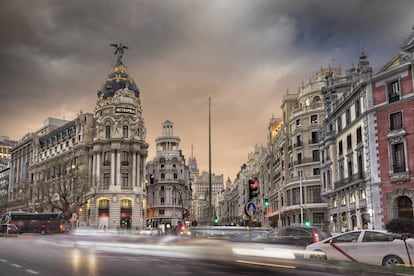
<point x="32" y="271"/>
<point x="3" y="260"/>
<point x="16" y="265"/>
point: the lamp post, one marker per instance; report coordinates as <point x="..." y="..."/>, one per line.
<point x="210" y="213"/>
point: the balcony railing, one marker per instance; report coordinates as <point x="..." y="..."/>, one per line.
<point x="348" y="180"/>
<point x="298" y="144"/>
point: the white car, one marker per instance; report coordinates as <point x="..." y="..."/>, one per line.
<point x="364" y="246"/>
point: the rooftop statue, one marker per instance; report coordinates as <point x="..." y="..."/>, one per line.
<point x="120" y="51"/>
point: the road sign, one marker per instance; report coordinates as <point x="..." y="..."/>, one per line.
<point x="250" y="209"/>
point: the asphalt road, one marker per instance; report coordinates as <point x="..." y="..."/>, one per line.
<point x="61" y="255"/>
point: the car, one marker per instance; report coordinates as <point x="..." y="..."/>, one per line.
<point x="8" y="228"/>
<point x="374" y="247"/>
<point x="293" y="235"/>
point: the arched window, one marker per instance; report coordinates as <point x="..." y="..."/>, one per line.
<point x="107" y="132"/>
<point x="405" y="207"/>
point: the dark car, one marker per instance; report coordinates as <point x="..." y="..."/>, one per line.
<point x="9" y="229"/>
<point x="294" y="235"/>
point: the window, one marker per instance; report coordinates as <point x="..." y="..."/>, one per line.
<point x="314" y="119"/>
<point x="350" y="165"/>
<point x="396" y="121"/>
<point x="318" y="218"/>
<point x="315" y="137"/>
<point x="299" y="156"/>
<point x="352" y="198"/>
<point x="295" y="196"/>
<point x="348" y="116"/>
<point x="343" y="201"/>
<point x="175" y="176"/>
<point x="341" y="169"/>
<point x="394" y="91"/>
<point x="316" y="171"/>
<point x="398" y="157"/>
<point x="107" y="158"/>
<point x="339" y="124"/>
<point x="298" y="123"/>
<point x="108" y="132"/>
<point x="125" y="156"/>
<point x="126" y="204"/>
<point x="106" y="180"/>
<point x="298" y="141"/>
<point x="357" y="108"/>
<point x="349" y="142"/>
<point x="315" y="155"/>
<point x="125" y="131"/>
<point x="348" y="237"/>
<point x="359" y="135"/>
<point x="124" y="180"/>
<point x="161" y="212"/>
<point x="103" y="204"/>
<point x="340" y="148"/>
<point x="377" y="237"/>
<point x="162" y="200"/>
<point x="162" y="176"/>
<point x="314" y="194"/>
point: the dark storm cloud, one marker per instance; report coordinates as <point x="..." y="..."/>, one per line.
<point x="244" y="54"/>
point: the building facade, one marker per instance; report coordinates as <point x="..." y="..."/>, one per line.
<point x="393" y="102"/>
<point x="90" y="168"/>
<point x="168" y="184"/>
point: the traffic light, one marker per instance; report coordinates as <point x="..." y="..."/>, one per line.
<point x="266" y="202"/>
<point x="152" y="178"/>
<point x="185" y="213"/>
<point x="253" y="188"/>
<point x="307" y="223"/>
<point x="216" y="221"/>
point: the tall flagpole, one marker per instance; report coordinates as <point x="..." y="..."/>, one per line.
<point x="210" y="211"/>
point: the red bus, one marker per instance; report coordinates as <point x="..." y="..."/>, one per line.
<point x="42" y="223"/>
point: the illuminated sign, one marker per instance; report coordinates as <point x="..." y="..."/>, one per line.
<point x="125" y="110"/>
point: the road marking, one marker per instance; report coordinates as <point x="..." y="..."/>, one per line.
<point x="32" y="271"/>
<point x="266" y="264"/>
<point x="3" y="260"/>
<point x="16" y="265"/>
<point x="343" y="252"/>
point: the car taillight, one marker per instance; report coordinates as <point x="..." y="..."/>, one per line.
<point x="315" y="236"/>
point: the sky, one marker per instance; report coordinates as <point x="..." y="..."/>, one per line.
<point x="243" y="54"/>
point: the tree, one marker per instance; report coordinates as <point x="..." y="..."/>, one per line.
<point x="400" y="225"/>
<point x="64" y="186"/>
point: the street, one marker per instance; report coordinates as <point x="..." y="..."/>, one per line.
<point x="31" y="254"/>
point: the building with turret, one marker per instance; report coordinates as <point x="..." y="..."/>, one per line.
<point x="168" y="183"/>
<point x="92" y="167"/>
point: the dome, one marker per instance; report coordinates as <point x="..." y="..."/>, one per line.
<point x="117" y="79"/>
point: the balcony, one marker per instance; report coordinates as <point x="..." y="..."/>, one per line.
<point x="353" y="178"/>
<point x="313" y="141"/>
<point x="298" y="144"/>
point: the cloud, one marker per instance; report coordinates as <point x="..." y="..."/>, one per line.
<point x="243" y="54"/>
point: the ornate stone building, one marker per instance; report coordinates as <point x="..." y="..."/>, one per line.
<point x="168" y="183"/>
<point x="91" y="168"/>
<point x="349" y="173"/>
